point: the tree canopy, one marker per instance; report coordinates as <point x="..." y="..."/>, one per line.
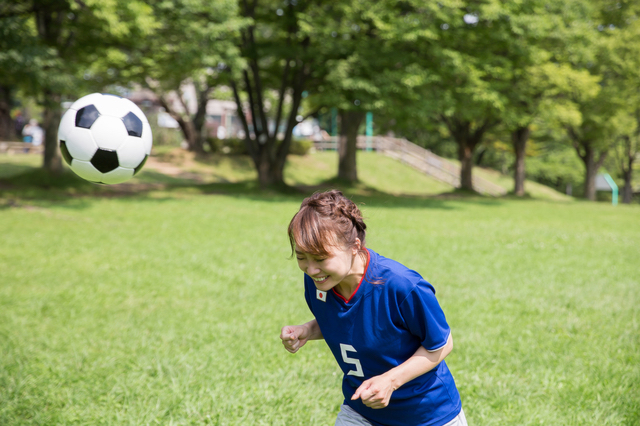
<point x="454" y="71"/>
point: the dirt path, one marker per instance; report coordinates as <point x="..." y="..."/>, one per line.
<point x="171" y="170"/>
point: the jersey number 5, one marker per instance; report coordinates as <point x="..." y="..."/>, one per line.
<point x="358" y="371"/>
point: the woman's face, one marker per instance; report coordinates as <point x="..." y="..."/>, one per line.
<point x="331" y="270"/>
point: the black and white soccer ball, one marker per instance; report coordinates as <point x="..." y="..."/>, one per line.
<point x="104" y="138"/>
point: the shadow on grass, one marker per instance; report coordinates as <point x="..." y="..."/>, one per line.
<point x="363" y="193"/>
<point x="35" y="186"/>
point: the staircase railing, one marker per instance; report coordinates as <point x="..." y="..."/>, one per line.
<point x="419" y="158"/>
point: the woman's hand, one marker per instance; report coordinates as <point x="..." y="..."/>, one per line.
<point x="295" y="336"/>
<point x="375" y="392"/>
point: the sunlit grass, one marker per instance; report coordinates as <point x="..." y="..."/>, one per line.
<point x="164" y="306"/>
<point x="141" y="311"/>
<point x="375" y="171"/>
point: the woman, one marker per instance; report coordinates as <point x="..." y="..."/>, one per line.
<point x="380" y="319"/>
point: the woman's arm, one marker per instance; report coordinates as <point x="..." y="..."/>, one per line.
<point x="295" y="336"/>
<point x="376" y="392"/>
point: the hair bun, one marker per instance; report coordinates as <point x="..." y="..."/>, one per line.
<point x="352" y="212"/>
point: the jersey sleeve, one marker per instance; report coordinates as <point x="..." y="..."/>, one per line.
<point x="424" y="318"/>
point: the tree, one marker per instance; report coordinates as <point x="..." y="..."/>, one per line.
<point x="377" y="69"/>
<point x="335" y="52"/>
<point x="539" y="91"/>
<point x="623" y="52"/>
<point x="467" y="75"/>
<point x="349" y="87"/>
<point x="184" y="56"/>
<point x="276" y="48"/>
<point x="19" y="52"/>
<point x="349" y="84"/>
<point x="286" y="49"/>
<point x="63" y="40"/>
<point x="30" y="26"/>
<point x="539" y="35"/>
<point x="606" y="117"/>
<point x="625" y="154"/>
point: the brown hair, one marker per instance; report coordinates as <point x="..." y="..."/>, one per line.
<point x="326" y="219"/>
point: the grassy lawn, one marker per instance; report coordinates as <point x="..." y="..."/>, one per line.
<point x="378" y="172"/>
<point x="164" y="306"/>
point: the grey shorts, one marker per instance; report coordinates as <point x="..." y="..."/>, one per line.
<point x="348" y="417"/>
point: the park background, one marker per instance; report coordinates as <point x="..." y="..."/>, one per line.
<point x="160" y="300"/>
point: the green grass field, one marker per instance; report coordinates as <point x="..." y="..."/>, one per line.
<point x="164" y="306"/>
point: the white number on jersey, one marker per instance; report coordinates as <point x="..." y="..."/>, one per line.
<point x="358" y="371"/>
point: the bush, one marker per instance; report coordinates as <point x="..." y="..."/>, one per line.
<point x="231" y="146"/>
<point x="300" y="146"/>
<point x="235" y="146"/>
<point x="557" y="169"/>
<point x="164" y="136"/>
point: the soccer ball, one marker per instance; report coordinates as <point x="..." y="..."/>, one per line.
<point x="104" y="138"/>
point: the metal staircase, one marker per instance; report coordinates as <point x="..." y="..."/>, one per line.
<point x="420" y="159"/>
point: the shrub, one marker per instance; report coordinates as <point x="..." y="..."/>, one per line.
<point x="231" y="146"/>
<point x="235" y="146"/>
<point x="557" y="169"/>
<point x="300" y="146"/>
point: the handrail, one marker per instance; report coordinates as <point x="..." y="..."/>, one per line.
<point x="417" y="157"/>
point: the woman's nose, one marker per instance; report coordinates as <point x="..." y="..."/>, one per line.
<point x="312" y="268"/>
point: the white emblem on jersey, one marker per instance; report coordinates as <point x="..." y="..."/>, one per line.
<point x="321" y="295"/>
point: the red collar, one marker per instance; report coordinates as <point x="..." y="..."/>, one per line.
<point x="366" y="266"/>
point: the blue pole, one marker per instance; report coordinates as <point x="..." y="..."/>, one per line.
<point x="614" y="189"/>
<point x="369" y="129"/>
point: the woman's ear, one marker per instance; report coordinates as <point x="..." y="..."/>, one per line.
<point x="357" y="246"/>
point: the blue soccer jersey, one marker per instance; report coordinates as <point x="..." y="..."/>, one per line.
<point x="393" y="312"/>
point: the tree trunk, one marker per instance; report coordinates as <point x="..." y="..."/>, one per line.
<point x="269" y="172"/>
<point x="200" y="117"/>
<point x="587" y="153"/>
<point x="191" y="135"/>
<point x="467" y="137"/>
<point x="591" y="165"/>
<point x="52" y="161"/>
<point x="191" y="128"/>
<point x="350" y="122"/>
<point x="627" y="190"/>
<point x="263" y="166"/>
<point x="627" y="172"/>
<point x="282" y="151"/>
<point x="520" y="138"/>
<point x="590" y="175"/>
<point x="465" y="155"/>
<point x="6" y="123"/>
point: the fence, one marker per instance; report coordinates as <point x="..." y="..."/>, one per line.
<point x="20" y="148"/>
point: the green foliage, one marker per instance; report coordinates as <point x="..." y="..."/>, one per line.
<point x="300" y="146"/>
<point x="557" y="169"/>
<point x="188" y="43"/>
<point x="571" y="63"/>
<point x="21" y="55"/>
<point x="163" y="136"/>
<point x="235" y="146"/>
<point x="62" y="46"/>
